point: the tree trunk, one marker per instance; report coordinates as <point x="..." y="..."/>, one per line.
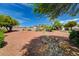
<point x="7" y="28"/>
<point x="10" y="28"/>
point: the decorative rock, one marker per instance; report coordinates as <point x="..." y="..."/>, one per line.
<point x="76" y="28"/>
<point x="53" y="47"/>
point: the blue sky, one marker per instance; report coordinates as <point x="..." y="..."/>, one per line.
<point x="26" y="17"/>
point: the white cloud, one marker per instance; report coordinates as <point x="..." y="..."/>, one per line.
<point x="76" y="19"/>
<point x="23" y="20"/>
<point x="65" y="21"/>
<point x="62" y="21"/>
<point x="28" y="4"/>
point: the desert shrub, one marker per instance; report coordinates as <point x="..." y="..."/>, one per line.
<point x="3" y="30"/>
<point x="29" y="30"/>
<point x="74" y="38"/>
<point x="49" y="28"/>
<point x="1" y="39"/>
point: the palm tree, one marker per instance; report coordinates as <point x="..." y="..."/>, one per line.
<point x="53" y="10"/>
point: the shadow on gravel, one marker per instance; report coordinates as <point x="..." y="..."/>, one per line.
<point x="44" y="46"/>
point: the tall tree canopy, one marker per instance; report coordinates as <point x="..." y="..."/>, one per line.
<point x="53" y="10"/>
<point x="7" y="22"/>
<point x="70" y="24"/>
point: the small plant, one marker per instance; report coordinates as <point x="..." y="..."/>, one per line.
<point x="1" y="39"/>
<point x="74" y="37"/>
<point x="29" y="30"/>
<point x="3" y="30"/>
<point x="49" y="28"/>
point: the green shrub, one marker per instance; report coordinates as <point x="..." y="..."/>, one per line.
<point x="69" y="31"/>
<point x="49" y="28"/>
<point x="3" y="30"/>
<point x="74" y="37"/>
<point x="1" y="39"/>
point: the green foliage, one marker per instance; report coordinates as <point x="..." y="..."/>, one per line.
<point x="57" y="24"/>
<point x="3" y="30"/>
<point x="53" y="10"/>
<point x="70" y="24"/>
<point x="7" y="22"/>
<point x="46" y="27"/>
<point x="78" y="25"/>
<point x="1" y="39"/>
<point x="74" y="38"/>
<point x="49" y="28"/>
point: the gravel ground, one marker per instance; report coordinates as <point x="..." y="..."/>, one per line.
<point x="15" y="41"/>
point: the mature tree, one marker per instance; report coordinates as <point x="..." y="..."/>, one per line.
<point x="53" y="10"/>
<point x="57" y="24"/>
<point x="7" y="22"/>
<point x="70" y="24"/>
